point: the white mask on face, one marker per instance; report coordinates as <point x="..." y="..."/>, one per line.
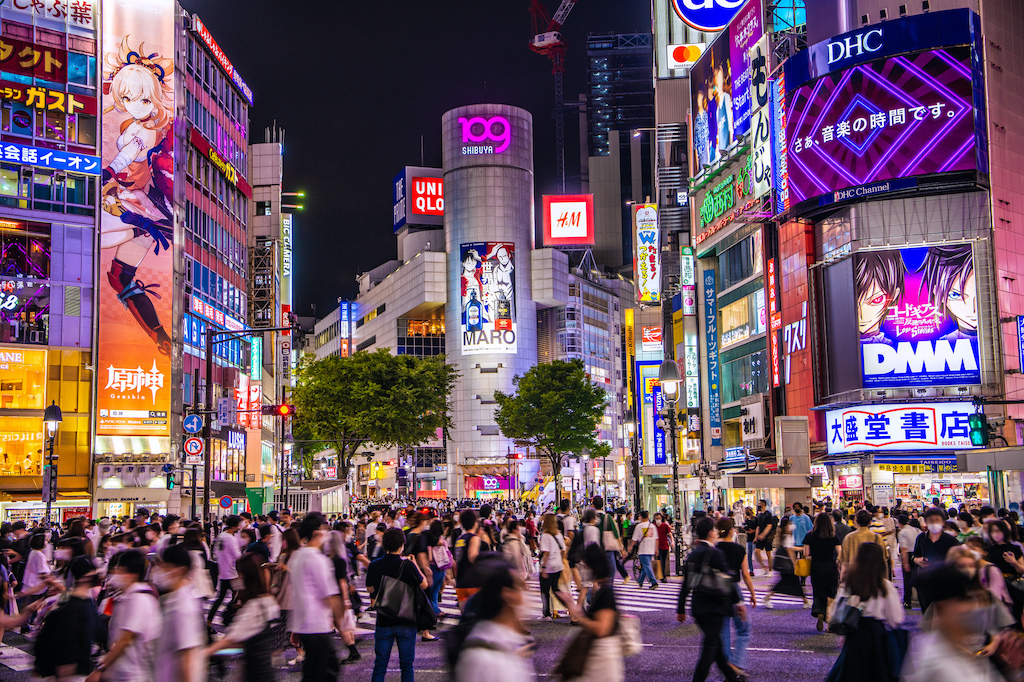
<point x="119" y="581"/>
<point x="934" y="528"/>
<point x="162" y="578"/>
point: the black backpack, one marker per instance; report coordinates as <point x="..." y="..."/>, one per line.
<point x="575" y="554"/>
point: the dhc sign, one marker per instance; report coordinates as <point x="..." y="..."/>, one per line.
<point x="707" y="15"/>
<point x="939" y="362"/>
<point x="856" y="45"/>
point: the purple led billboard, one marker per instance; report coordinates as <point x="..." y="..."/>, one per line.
<point x="892" y="118"/>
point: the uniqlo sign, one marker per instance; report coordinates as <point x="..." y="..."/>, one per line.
<point x="427" y="196"/>
<point x="569" y="220"/>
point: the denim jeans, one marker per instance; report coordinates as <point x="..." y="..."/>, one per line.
<point x="738" y="655"/>
<point x="646" y="570"/>
<point x="435" y="589"/>
<point x="383" y="638"/>
<point x="613" y="565"/>
<point x="750" y="557"/>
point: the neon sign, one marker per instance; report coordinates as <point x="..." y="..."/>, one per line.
<point x="502" y="136"/>
<point x="200" y="29"/>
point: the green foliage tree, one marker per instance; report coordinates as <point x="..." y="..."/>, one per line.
<point x="555" y="409"/>
<point x="379" y="398"/>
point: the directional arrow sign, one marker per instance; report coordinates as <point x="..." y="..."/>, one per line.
<point x="193" y="423"/>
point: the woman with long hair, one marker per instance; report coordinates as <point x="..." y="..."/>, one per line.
<point x="334" y="548"/>
<point x="281" y="589"/>
<point x="821" y="547"/>
<point x="785" y="561"/>
<point x="251" y="626"/>
<point x="552" y="548"/>
<point x="867" y="653"/>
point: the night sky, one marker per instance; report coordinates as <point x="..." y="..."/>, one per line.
<point x="355" y="85"/>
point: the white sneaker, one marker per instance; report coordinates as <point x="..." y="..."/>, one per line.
<point x="767" y="601"/>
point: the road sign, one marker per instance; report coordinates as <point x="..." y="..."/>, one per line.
<point x="226" y="502"/>
<point x="194" y="446"/>
<point x="193" y="423"/>
<point x="227" y="411"/>
<point x="193" y="460"/>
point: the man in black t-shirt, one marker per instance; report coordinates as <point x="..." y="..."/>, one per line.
<point x="735" y="559"/>
<point x="930" y="550"/>
<point x="765" y="538"/>
<point x="389" y="631"/>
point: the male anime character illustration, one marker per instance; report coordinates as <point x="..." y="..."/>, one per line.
<point x="471" y="282"/>
<point x="879" y="281"/>
<point x="138" y="180"/>
<point x="502" y="278"/>
<point x="947" y="277"/>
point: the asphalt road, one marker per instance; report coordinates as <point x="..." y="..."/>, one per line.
<point x="785" y="644"/>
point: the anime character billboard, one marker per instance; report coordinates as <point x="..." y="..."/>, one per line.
<point x="487" y="280"/>
<point x="136" y="222"/>
<point x="917" y="311"/>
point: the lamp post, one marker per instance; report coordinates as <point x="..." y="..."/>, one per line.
<point x="585" y="461"/>
<point x="52" y="419"/>
<point x="668" y="377"/>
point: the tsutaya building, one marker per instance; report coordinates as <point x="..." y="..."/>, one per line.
<point x="475" y="287"/>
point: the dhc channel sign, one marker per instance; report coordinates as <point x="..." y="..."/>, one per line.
<point x="707" y="15"/>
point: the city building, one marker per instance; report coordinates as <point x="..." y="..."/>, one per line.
<point x="49" y="176"/>
<point x="173" y="260"/>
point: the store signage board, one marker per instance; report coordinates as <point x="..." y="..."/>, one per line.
<point x="899" y="427"/>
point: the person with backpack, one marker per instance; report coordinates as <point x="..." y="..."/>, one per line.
<point x="552" y="548"/>
<point x="64" y="645"/>
<point x="135" y="624"/>
<point x="515" y="549"/>
<point x="469" y="545"/>
<point x="493" y="638"/>
<point x="715" y="598"/>
<point x="610" y="536"/>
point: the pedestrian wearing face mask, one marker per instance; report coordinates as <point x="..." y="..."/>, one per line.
<point x="316" y="602"/>
<point x="63" y="648"/>
<point x="228" y="551"/>
<point x="931" y="548"/>
<point x="179" y="650"/>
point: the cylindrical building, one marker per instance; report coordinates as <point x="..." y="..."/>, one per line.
<point x="489" y="231"/>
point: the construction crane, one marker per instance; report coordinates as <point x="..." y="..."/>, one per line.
<point x="547" y="41"/>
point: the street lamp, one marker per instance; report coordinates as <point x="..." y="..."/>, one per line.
<point x="634" y="464"/>
<point x="668" y="377"/>
<point x="52" y="419"/>
<point x="585" y="457"/>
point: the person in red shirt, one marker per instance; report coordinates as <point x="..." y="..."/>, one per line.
<point x="664" y="543"/>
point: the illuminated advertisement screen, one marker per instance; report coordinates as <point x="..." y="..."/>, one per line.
<point x="917" y="313"/>
<point x="568" y="220"/>
<point x="891" y="118"/>
<point x="488" y="284"/>
<point x="647" y="259"/>
<point x="136" y="224"/>
<point x="720" y="86"/>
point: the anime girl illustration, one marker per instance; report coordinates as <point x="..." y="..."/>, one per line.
<point x="947" y="277"/>
<point x="879" y="284"/>
<point x="138" y="181"/>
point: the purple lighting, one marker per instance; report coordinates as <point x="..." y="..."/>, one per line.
<point x="892" y="118"/>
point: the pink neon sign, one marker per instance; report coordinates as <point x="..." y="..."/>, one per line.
<point x="486" y="126"/>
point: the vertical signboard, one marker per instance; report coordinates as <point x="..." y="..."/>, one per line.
<point x="774" y="323"/>
<point x="659" y="433"/>
<point x="796" y="254"/>
<point x="136" y="223"/>
<point x="286" y="260"/>
<point x="647" y="258"/>
<point x="688" y="281"/>
<point x="488" y="291"/>
<point x="780" y="161"/>
<point x="1020" y="341"/>
<point x="714" y="371"/>
<point x="760" y="120"/>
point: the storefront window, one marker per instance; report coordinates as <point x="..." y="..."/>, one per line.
<point x="744" y="376"/>
<point x="740" y="261"/>
<point x="743" y="318"/>
<point x="21" y="442"/>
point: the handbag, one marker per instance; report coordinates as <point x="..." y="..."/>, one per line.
<point x="712" y="584"/>
<point x="629" y="633"/>
<point x="396" y="598"/>
<point x="658" y="572"/>
<point x="845" y="615"/>
<point x="442" y="556"/>
<point x="609" y="540"/>
<point x="574" y="658"/>
<point x="426" y="619"/>
<point x="802" y="568"/>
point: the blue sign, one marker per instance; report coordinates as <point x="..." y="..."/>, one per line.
<point x="51" y="158"/>
<point x="659" y="434"/>
<point x="714" y="371"/>
<point x="192" y="423"/>
<point x="875" y="41"/>
<point x="707" y="15"/>
<point x="236" y="440"/>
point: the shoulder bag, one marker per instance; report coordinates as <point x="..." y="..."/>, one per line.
<point x="397" y="598"/>
<point x="574" y="658"/>
<point x="802" y="568"/>
<point x="845" y="615"/>
<point x="442" y="556"/>
<point x="609" y="539"/>
<point x="635" y="551"/>
<point x="710" y="583"/>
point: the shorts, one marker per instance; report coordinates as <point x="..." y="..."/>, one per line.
<point x="464" y="593"/>
<point x="766" y="545"/>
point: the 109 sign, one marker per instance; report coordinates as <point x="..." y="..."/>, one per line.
<point x="707" y="15"/>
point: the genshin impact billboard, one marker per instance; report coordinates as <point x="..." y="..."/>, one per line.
<point x="917" y="311"/>
<point x="488" y="284"/>
<point x="136" y="223"/>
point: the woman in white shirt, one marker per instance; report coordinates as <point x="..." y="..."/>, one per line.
<point x="552" y="546"/>
<point x="251" y="626"/>
<point x="866" y="653"/>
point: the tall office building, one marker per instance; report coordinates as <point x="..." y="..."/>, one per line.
<point x="620" y="87"/>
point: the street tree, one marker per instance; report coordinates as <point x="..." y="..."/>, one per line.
<point x="555" y="409"/>
<point x="372" y="398"/>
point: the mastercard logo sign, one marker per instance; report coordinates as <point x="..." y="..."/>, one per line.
<point x="684" y="56"/>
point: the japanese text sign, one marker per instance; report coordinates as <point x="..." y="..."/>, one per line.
<point x="44" y="98"/>
<point x="910" y="426"/>
<point x="760" y="120"/>
<point x="714" y="371"/>
<point x="659" y="433"/>
<point x="650" y="341"/>
<point x="688" y="280"/>
<point x="892" y="118"/>
<point x="647" y="258"/>
<point x="29" y="59"/>
<point x="50" y="158"/>
<point x="77" y="13"/>
<point x="204" y="33"/>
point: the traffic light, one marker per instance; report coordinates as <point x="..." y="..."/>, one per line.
<point x="168" y="470"/>
<point x="514" y="455"/>
<point x="979" y="430"/>
<point x="278" y="411"/>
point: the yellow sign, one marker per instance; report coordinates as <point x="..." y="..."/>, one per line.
<point x="906" y="468"/>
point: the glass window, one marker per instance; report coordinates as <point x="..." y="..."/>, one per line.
<point x="82" y="128"/>
<point x="9" y="180"/>
<point x="741" y="261"/>
<point x="81" y="68"/>
<point x="742" y="319"/>
<point x="77" y="190"/>
<point x="744" y="376"/>
<point x="43" y="185"/>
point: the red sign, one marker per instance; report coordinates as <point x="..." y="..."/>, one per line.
<point x="773" y="301"/>
<point x="29" y="59"/>
<point x="44" y="98"/>
<point x="851" y="482"/>
<point x="427" y="196"/>
<point x="775" y="322"/>
<point x="200" y="28"/>
<point x="569" y="220"/>
<point x="774" y="353"/>
<point x="230" y="172"/>
<point x="796" y="253"/>
<point x="68" y="513"/>
<point x="650" y="339"/>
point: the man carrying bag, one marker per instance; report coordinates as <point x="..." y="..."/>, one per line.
<point x="611" y="540"/>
